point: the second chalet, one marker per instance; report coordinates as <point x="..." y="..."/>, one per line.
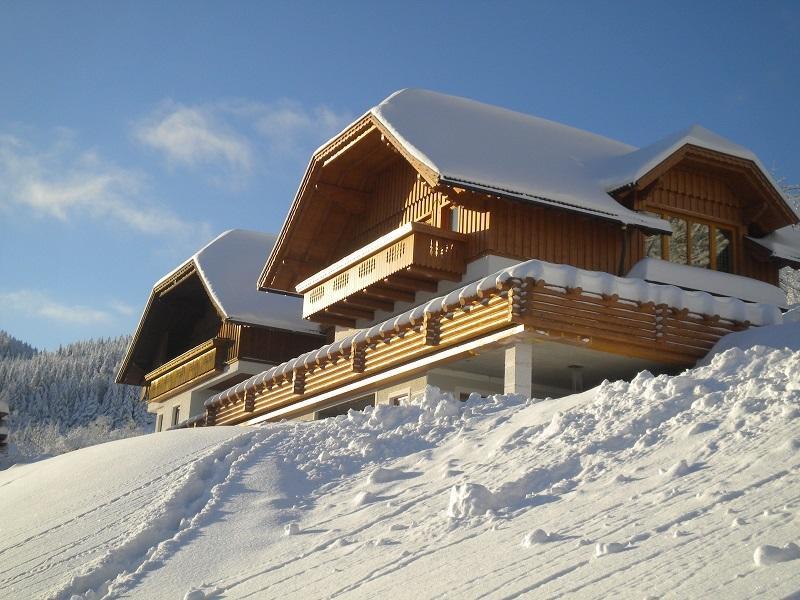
<point x="443" y="241"/>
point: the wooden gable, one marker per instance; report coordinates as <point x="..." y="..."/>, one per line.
<point x="179" y="316"/>
<point x="353" y="191"/>
<point x="704" y="182"/>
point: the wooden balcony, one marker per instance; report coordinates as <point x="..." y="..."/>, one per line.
<point x="411" y="259"/>
<point x="191" y="367"/>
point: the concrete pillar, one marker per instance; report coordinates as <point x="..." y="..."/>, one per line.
<point x="518" y="376"/>
<point x="576" y="375"/>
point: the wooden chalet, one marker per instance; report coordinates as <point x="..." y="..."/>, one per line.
<point x="448" y="242"/>
<point x="206" y="328"/>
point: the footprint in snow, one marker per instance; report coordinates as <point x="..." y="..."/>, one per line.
<point x="610" y="548"/>
<point x="769" y="555"/>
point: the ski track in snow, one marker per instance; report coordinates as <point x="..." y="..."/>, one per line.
<point x="656" y="470"/>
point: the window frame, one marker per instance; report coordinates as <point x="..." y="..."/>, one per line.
<point x="712" y="225"/>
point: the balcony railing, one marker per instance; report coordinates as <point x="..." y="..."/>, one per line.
<point x="191" y="366"/>
<point x="413" y="258"/>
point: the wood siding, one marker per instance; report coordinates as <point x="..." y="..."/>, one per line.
<point x="262" y="344"/>
<point x="708" y="196"/>
<point x="399" y="196"/>
<point x="233" y="342"/>
<point x="525" y="232"/>
<point x="695" y="194"/>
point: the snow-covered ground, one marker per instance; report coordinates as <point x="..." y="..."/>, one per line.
<point x="684" y="487"/>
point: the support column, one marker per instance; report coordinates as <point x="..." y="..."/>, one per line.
<point x="519" y="369"/>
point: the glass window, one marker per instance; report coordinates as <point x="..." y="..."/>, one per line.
<point x="700" y="246"/>
<point x="692" y="243"/>
<point x="176" y="415"/>
<point x="652" y="246"/>
<point x="678" y="245"/>
<point x="160" y="422"/>
<point x="722" y="239"/>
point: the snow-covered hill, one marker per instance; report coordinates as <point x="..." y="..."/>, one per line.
<point x="683" y="487"/>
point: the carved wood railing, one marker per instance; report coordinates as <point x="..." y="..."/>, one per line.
<point x="200" y="361"/>
<point x="416" y="249"/>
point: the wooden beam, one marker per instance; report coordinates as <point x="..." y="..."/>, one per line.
<point x="352" y="312"/>
<point x="349" y="200"/>
<point x="389" y="293"/>
<point x="360" y="300"/>
<point x="410" y="283"/>
<point x="433" y="274"/>
<point x="329" y="319"/>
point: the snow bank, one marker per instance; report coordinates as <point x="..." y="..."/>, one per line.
<point x="786" y="335"/>
<point x="378" y="503"/>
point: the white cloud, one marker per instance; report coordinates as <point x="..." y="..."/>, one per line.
<point x="238" y="135"/>
<point x="288" y="126"/>
<point x="37" y="304"/>
<point x="194" y="136"/>
<point x="62" y="182"/>
<point x="122" y="308"/>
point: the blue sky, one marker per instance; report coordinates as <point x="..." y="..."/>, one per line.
<point x="131" y="133"/>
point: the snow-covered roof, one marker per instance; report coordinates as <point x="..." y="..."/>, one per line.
<point x="229" y="267"/>
<point x="783" y="243"/>
<point x="498" y="150"/>
<point x="619" y="171"/>
<point x="495" y="149"/>
<point x="706" y="280"/>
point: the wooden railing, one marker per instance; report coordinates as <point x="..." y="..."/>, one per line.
<point x="200" y="361"/>
<point x="417" y="250"/>
<point x="549" y="313"/>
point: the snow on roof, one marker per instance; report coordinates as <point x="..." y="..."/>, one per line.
<point x="783" y="243"/>
<point x="498" y="150"/>
<point x="229" y="267"/>
<point x="620" y="171"/>
<point x="706" y="280"/>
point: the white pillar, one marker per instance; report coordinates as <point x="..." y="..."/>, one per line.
<point x="519" y="369"/>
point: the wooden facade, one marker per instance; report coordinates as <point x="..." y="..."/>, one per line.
<point x="491" y="225"/>
<point x="183" y="341"/>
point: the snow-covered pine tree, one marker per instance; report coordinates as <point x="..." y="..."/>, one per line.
<point x="51" y="395"/>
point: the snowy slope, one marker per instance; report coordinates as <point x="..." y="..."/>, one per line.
<point x="685" y="487"/>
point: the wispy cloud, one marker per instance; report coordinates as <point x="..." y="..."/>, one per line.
<point x="289" y="127"/>
<point x="36" y="304"/>
<point x="238" y="136"/>
<point x="194" y="136"/>
<point x="63" y="182"/>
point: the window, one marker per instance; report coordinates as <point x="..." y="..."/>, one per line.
<point x="160" y="422"/>
<point x="344" y="407"/>
<point x="693" y="242"/>
<point x="723" y="249"/>
<point x="398" y="398"/>
<point x="176" y="415"/>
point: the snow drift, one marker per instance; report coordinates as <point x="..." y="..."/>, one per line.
<point x="686" y="486"/>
